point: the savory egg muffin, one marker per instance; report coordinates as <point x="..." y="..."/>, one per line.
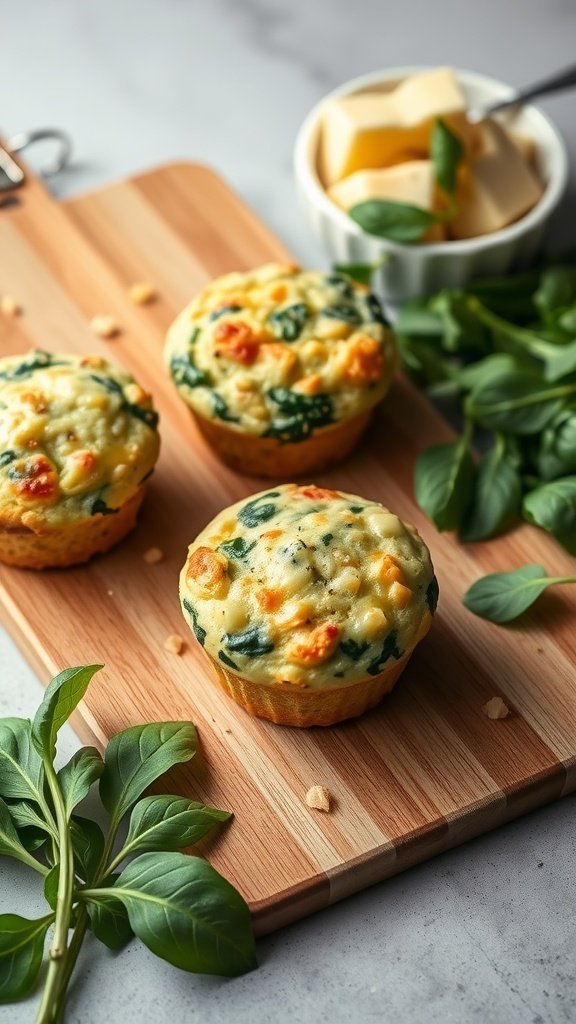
<point x="282" y="367"/>
<point x="308" y="601"/>
<point x="78" y="439"/>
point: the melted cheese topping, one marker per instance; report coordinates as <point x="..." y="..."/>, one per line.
<point x="307" y="586"/>
<point x="77" y="438"/>
<point x="279" y="352"/>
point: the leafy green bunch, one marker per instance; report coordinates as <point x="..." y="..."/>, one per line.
<point x="404" y="222"/>
<point x="177" y="905"/>
<point x="503" y="352"/>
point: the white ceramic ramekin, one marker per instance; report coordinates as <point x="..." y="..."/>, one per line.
<point x="412" y="270"/>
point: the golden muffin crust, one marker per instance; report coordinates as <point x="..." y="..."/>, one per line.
<point x="278" y="352"/>
<point x="77" y="439"/>
<point x="308" y="586"/>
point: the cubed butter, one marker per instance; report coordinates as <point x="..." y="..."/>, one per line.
<point x="374" y="129"/>
<point x="499" y="188"/>
<point x="412" y="183"/>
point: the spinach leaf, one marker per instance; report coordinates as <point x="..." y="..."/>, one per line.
<point x="497" y="493"/>
<point x="288" y="323"/>
<point x="556" y="290"/>
<point x="352" y="649"/>
<point x="557" y="453"/>
<point x="38" y="361"/>
<point x="186" y="913"/>
<point x="461" y="329"/>
<point x="341" y="280"/>
<point x="224" y="310"/>
<point x="221" y="410"/>
<point x="61" y="698"/>
<point x="389" y="650"/>
<point x="199" y="632"/>
<point x="553" y="507"/>
<point x="137" y="756"/>
<point x="76" y="777"/>
<point x="259" y="510"/>
<point x="297" y="415"/>
<point x="326" y="538"/>
<point x="432" y="593"/>
<point x="349" y="314"/>
<point x="443" y="482"/>
<point x="503" y="596"/>
<point x="185" y="371"/>
<point x="228" y="661"/>
<point x="21" y="950"/>
<point x="446" y="153"/>
<point x="6" y="458"/>
<point x="399" y="222"/>
<point x="236" y="548"/>
<point x="516" y="402"/>
<point x="253" y="641"/>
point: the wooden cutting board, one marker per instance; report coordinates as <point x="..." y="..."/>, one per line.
<point x="424" y="771"/>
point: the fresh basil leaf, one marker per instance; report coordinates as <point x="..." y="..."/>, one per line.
<point x="109" y="919"/>
<point x="477" y="373"/>
<point x="76" y="777"/>
<point x="553" y="507"/>
<point x="32" y="827"/>
<point x="446" y="153"/>
<point x="51" y="886"/>
<point x="136" y="757"/>
<point x="560" y="362"/>
<point x="443" y="483"/>
<point x="398" y="222"/>
<point x="228" y="661"/>
<point x="259" y="510"/>
<point x="21" y="769"/>
<point x="557" y="452"/>
<point x="503" y="596"/>
<point x="288" y="323"/>
<point x="169" y="823"/>
<point x="497" y="494"/>
<point x="21" y="952"/>
<point x="416" y="317"/>
<point x="61" y="698"/>
<point x="87" y="845"/>
<point x="516" y="402"/>
<point x="10" y="843"/>
<point x="253" y="641"/>
<point x="423" y="359"/>
<point x="186" y="913"/>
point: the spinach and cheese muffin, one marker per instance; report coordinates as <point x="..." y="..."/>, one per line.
<point x="308" y="602"/>
<point x="78" y="439"/>
<point x="282" y="367"/>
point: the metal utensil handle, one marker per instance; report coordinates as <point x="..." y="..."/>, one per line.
<point x="64" y="147"/>
<point x="562" y="80"/>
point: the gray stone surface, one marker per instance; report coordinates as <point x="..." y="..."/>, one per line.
<point x="482" y="934"/>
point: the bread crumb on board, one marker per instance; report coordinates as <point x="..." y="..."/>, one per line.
<point x="153" y="556"/>
<point x="9" y="306"/>
<point x="105" y="326"/>
<point x="318" y="797"/>
<point x="142" y="292"/>
<point x="496" y="708"/>
<point x="174" y="643"/>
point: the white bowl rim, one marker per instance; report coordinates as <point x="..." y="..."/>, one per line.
<point x="553" y="189"/>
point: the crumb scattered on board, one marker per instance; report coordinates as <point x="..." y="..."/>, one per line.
<point x="496" y="708"/>
<point x="9" y="306"/>
<point x="318" y="797"/>
<point x="174" y="644"/>
<point x="153" y="556"/>
<point x="105" y="326"/>
<point x="142" y="292"/>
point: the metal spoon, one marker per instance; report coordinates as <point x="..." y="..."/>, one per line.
<point x="561" y="80"/>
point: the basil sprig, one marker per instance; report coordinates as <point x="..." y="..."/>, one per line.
<point x="503" y="596"/>
<point x="405" y="222"/>
<point x="177" y="905"/>
<point x="501" y="352"/>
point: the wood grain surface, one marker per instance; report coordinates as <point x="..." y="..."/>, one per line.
<point x="423" y="772"/>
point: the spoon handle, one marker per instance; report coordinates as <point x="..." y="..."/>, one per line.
<point x="561" y="80"/>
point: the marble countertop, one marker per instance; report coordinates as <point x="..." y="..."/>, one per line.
<point x="486" y="932"/>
